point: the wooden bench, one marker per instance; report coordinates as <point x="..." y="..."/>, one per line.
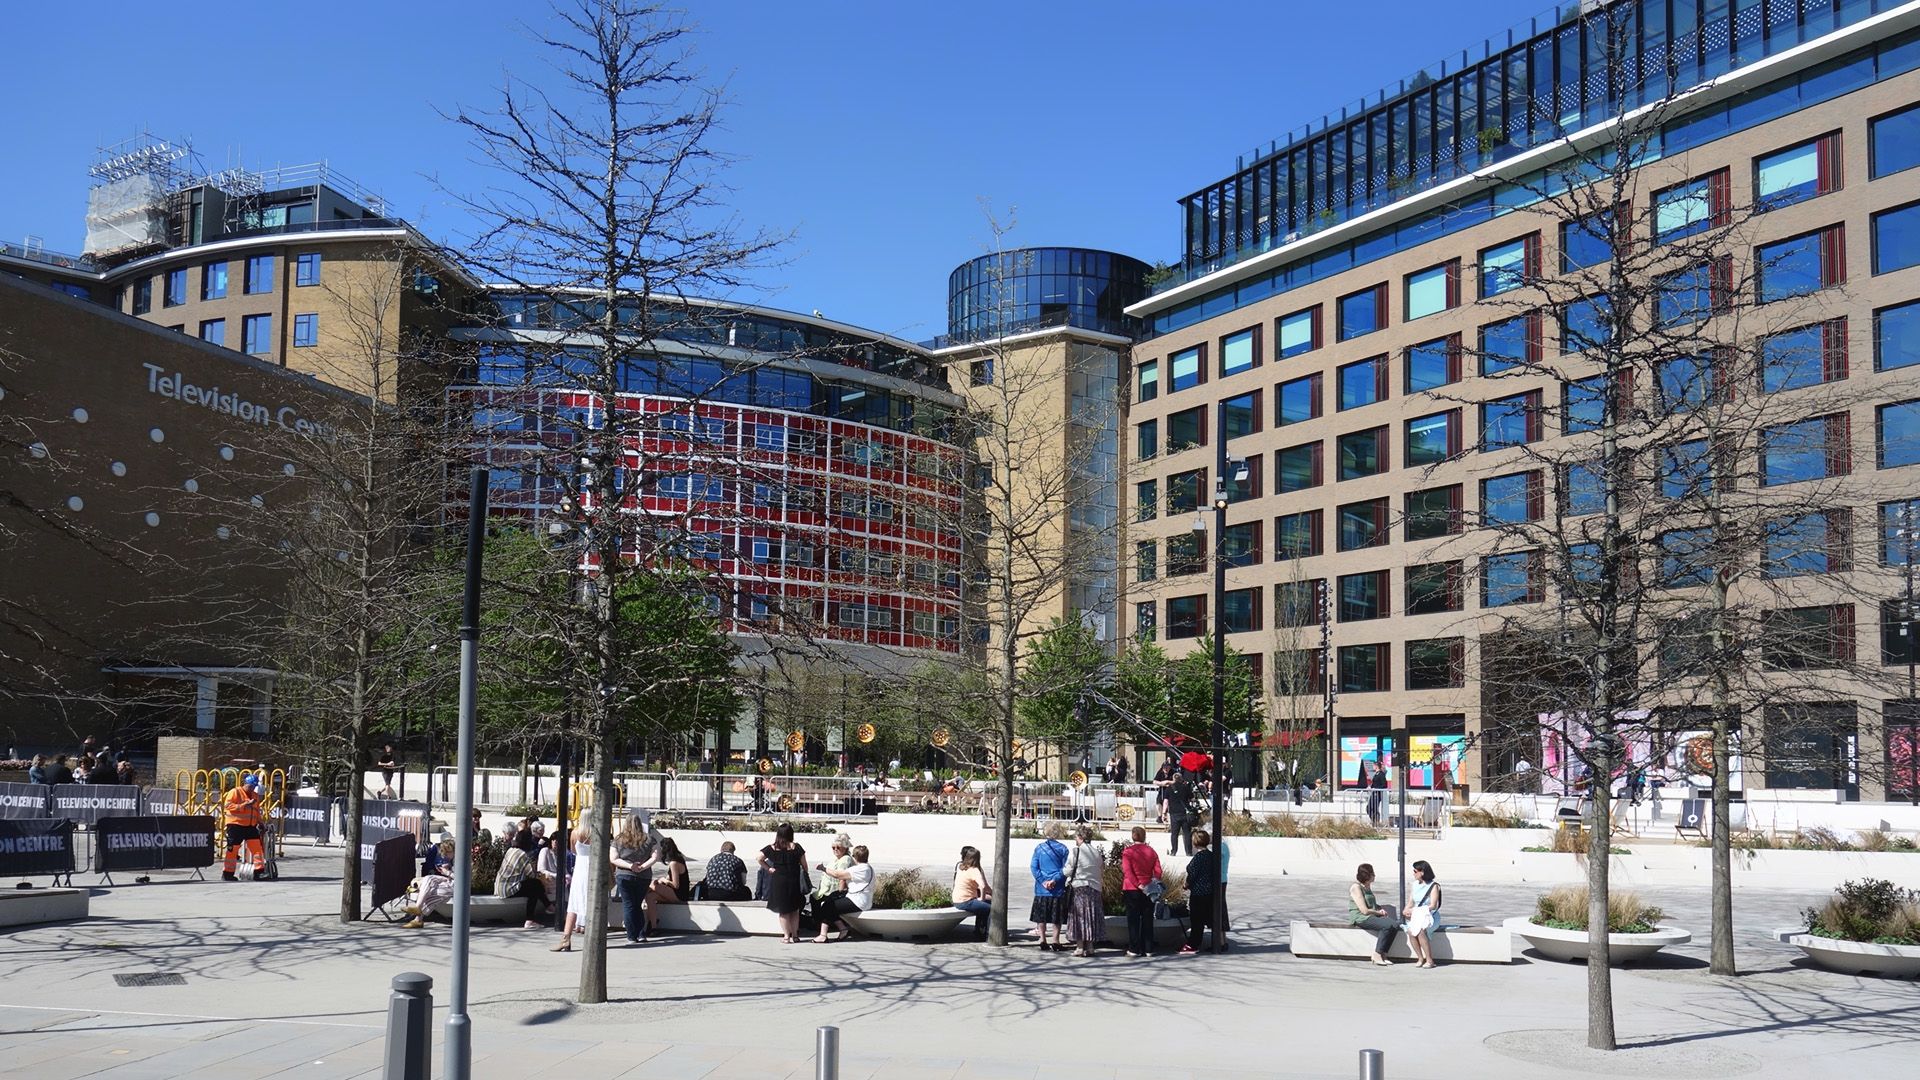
<point x="1460" y="944"/>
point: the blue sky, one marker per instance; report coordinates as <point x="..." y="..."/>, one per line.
<point x="870" y="131"/>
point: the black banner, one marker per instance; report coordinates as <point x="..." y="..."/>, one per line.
<point x="23" y="800"/>
<point x="394" y="868"/>
<point x="384" y="819"/>
<point x="88" y="803"/>
<point x="147" y="842"/>
<point x="32" y="848"/>
<point x="160" y="801"/>
<point x="306" y="815"/>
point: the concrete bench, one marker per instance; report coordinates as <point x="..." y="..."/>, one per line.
<point x="698" y="917"/>
<point x="22" y="907"/>
<point x="1460" y="944"/>
<point x="920" y="924"/>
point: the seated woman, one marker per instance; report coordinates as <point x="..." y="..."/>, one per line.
<point x="516" y="878"/>
<point x="1422" y="914"/>
<point x="1363" y="911"/>
<point x="852" y="879"/>
<point x="676" y="887"/>
<point x="971" y="893"/>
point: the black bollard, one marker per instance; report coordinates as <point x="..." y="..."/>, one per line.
<point x="409" y="1028"/>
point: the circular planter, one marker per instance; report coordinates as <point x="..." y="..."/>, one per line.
<point x="924" y="924"/>
<point x="1572" y="944"/>
<point x="1169" y="932"/>
<point x="1855" y="957"/>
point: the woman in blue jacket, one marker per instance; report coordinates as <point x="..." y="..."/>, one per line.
<point x="1049" y="888"/>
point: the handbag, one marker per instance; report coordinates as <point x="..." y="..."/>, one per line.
<point x="1066" y="881"/>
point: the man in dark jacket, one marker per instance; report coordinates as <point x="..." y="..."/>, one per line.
<point x="1203" y="876"/>
<point x="1180" y="812"/>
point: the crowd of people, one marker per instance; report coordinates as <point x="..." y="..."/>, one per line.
<point x="91" y="765"/>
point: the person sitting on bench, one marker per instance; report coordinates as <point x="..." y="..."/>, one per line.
<point x="726" y="877"/>
<point x="1363" y="911"/>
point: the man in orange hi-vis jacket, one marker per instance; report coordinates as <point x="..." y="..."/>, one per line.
<point x="242" y="807"/>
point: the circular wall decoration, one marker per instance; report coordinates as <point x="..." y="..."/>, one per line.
<point x="118" y="468"/>
<point x="153" y="519"/>
<point x="75" y="503"/>
<point x="1700" y="754"/>
<point x="157" y="435"/>
<point x="192" y="485"/>
<point x="79" y="416"/>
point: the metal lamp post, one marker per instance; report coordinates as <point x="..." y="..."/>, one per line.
<point x="1239" y="469"/>
<point x="1906" y="532"/>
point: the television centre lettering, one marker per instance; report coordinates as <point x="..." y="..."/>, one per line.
<point x="175" y="387"/>
<point x="148" y="841"/>
<point x="128" y="803"/>
<point x="31" y="845"/>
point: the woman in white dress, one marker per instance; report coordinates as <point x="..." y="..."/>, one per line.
<point x="576" y="890"/>
<point x="1422" y="914"/>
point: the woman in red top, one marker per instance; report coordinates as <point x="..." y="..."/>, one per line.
<point x="1139" y="872"/>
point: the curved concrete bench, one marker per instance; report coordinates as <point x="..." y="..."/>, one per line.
<point x="22" y="907"/>
<point x="1854" y="957"/>
<point x="1460" y="944"/>
<point x="1168" y="932"/>
<point x="924" y="924"/>
<point x="1571" y="945"/>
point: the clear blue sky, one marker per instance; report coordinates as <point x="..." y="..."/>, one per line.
<point x="869" y="130"/>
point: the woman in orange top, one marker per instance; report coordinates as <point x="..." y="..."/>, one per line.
<point x="971" y="892"/>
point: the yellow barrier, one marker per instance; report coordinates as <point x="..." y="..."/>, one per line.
<point x="580" y="797"/>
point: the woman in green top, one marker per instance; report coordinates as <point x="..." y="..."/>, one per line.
<point x="1363" y="912"/>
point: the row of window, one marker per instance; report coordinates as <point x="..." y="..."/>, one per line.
<point x="256" y="332"/>
<point x="1789" y="268"/>
<point x="1788" y="639"/>
<point x="809" y="555"/>
<point x="1226" y="214"/>
<point x="257" y="278"/>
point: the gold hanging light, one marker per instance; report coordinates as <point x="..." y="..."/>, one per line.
<point x="865" y="734"/>
<point x="1077" y="779"/>
<point x="796" y="741"/>
<point x="766" y="765"/>
<point x="785" y="803"/>
<point x="941" y="737"/>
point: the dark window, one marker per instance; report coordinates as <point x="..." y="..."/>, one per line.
<point x="1244" y="483"/>
<point x="1300" y="672"/>
<point x="1186" y="617"/>
<point x="1513" y="499"/>
<point x="1362" y="382"/>
<point x="1147" y="444"/>
<point x="1899" y="626"/>
<point x="1686" y="470"/>
<point x="1363" y="668"/>
<point x="1797" y="173"/>
<point x="306" y="330"/>
<point x="1239" y="352"/>
<point x="1508" y="344"/>
<point x="1186" y="491"/>
<point x="1145" y="621"/>
<point x="1298" y="536"/>
<point x="1186" y="554"/>
<point x="1187" y="428"/>
<point x="1297" y="401"/>
<point x="1297" y="468"/>
<point x="1436" y="663"/>
<point x="1808" y="544"/>
<point x="1146" y="500"/>
<point x="259" y="278"/>
<point x="176" y="288"/>
<point x="1586" y="324"/>
<point x="1363" y="596"/>
<point x="980" y="372"/>
<point x="1506" y="267"/>
<point x="1433" y="364"/>
<point x="1240" y="415"/>
<point x="1509" y="579"/>
<point x="1802" y="265"/>
<point x="1584" y="407"/>
<point x="306" y="268"/>
<point x="1240" y="611"/>
<point x="1240" y="544"/>
<point x="143" y="296"/>
<point x="1299" y="332"/>
<point x="1896" y="433"/>
<point x="1434" y="512"/>
<point x="1510" y="421"/>
<point x="1896" y="238"/>
<point x="1363" y="312"/>
<point x="1687" y="557"/>
<point x="214" y="331"/>
<point x="1896" y="336"/>
<point x="1808" y="450"/>
<point x="1149" y="377"/>
<point x="1689" y="295"/>
<point x="1894" y="142"/>
<point x="1810" y="637"/>
<point x="213" y="281"/>
<point x="1586" y="241"/>
<point x="1362" y="525"/>
<point x="1433" y="439"/>
<point x="1188" y="368"/>
<point x="1433" y="588"/>
<point x="1363" y="453"/>
<point x="1296" y="604"/>
<point x="1684" y="382"/>
<point x="1583" y="490"/>
<point x="256" y="332"/>
<point x="1900" y="532"/>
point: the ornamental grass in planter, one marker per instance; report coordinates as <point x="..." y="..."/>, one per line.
<point x="1565" y="908"/>
<point x="1474" y="817"/>
<point x="1286" y="826"/>
<point x="1112" y="903"/>
<point x="1870" y="910"/>
<point x="910" y="890"/>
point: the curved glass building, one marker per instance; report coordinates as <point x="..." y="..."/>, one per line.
<point x="1012" y="292"/>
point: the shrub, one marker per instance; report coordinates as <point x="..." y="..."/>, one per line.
<point x="910" y="890"/>
<point x="1474" y="817"/>
<point x="1876" y="840"/>
<point x="532" y="810"/>
<point x="1565" y="908"/>
<point x="1868" y="910"/>
<point x="1112" y="879"/>
<point x="1818" y="839"/>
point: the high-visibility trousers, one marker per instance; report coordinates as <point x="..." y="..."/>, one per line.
<point x="250" y="836"/>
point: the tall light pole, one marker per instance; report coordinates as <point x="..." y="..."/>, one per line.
<point x="1907" y="535"/>
<point x="1222" y="465"/>
<point x="459" y="1035"/>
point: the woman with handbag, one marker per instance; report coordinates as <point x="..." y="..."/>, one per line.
<point x="1050" y="901"/>
<point x="1087" y="920"/>
<point x="786" y="865"/>
<point x="1422" y="913"/>
<point x="1140" y="887"/>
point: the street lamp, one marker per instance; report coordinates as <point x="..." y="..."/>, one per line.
<point x="1239" y="470"/>
<point x="1907" y="535"/>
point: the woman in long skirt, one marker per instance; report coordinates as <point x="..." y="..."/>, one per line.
<point x="1086" y="869"/>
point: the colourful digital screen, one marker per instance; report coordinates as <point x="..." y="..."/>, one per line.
<point x="1358" y="756"/>
<point x="1435" y="757"/>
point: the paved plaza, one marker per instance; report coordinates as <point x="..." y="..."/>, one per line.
<point x="274" y="986"/>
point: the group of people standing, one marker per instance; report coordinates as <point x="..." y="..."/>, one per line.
<point x="87" y="767"/>
<point x="1069" y="905"/>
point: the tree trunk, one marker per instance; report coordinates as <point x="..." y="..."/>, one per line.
<point x="350" y="869"/>
<point x="1002" y="828"/>
<point x="599" y="817"/>
<point x="1599" y="967"/>
<point x="1721" y="958"/>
